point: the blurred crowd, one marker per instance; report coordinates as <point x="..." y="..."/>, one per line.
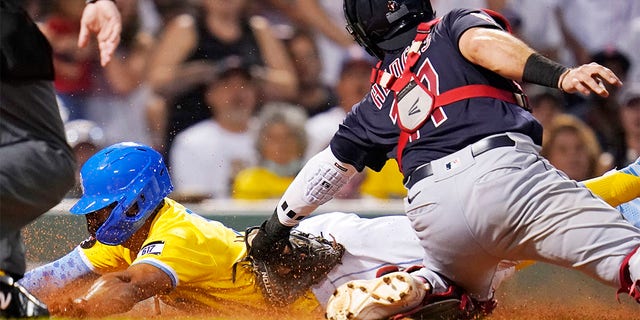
<point x="238" y="94"/>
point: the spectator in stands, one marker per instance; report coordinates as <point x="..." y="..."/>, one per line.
<point x="601" y="114"/>
<point x="167" y="10"/>
<point x="119" y="103"/>
<point x="571" y="146"/>
<point x="181" y="65"/>
<point x="546" y="104"/>
<point x="352" y="85"/>
<point x="206" y="156"/>
<point x="280" y="146"/>
<point x="73" y="81"/>
<point x="539" y="27"/>
<point x="313" y="95"/>
<point x="592" y="26"/>
<point x="157" y="109"/>
<point x="85" y="138"/>
<point x="631" y="46"/>
<point x="37" y="9"/>
<point x="325" y="21"/>
<point x="443" y="6"/>
<point x="630" y="118"/>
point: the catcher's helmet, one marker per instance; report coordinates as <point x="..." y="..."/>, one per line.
<point x="124" y="174"/>
<point x="385" y="25"/>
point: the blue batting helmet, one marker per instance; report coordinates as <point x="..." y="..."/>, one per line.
<point x="124" y="174"/>
<point x="385" y="25"/>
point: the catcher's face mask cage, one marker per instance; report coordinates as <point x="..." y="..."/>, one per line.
<point x="128" y="176"/>
<point x="385" y="25"/>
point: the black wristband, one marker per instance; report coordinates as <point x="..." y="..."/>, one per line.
<point x="275" y="229"/>
<point x="543" y="71"/>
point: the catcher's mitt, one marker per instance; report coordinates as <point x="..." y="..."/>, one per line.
<point x="304" y="262"/>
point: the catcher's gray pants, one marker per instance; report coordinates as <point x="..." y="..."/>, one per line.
<point x="509" y="203"/>
<point x="34" y="174"/>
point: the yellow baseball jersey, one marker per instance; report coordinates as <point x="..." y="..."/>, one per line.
<point x="198" y="255"/>
<point x="259" y="183"/>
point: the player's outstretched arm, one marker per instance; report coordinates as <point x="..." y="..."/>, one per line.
<point x="511" y="58"/>
<point x="116" y="292"/>
<point x="101" y="17"/>
<point x="51" y="278"/>
<point x="617" y="187"/>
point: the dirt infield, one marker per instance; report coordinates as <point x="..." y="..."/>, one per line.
<point x="548" y="292"/>
<point x="539" y="292"/>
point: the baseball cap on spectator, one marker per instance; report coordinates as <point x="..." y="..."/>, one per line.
<point x="355" y="59"/>
<point x="613" y="56"/>
<point x="630" y="94"/>
<point x="233" y="65"/>
<point x="356" y="63"/>
<point x="538" y="93"/>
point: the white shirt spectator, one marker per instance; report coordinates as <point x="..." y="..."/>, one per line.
<point x="539" y="27"/>
<point x="599" y="24"/>
<point x="631" y="47"/>
<point x="441" y="7"/>
<point x="122" y="117"/>
<point x="205" y="158"/>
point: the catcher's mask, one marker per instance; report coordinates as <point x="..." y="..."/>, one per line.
<point x="385" y="25"/>
<point x="132" y="179"/>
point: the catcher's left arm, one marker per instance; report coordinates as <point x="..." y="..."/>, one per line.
<point x="306" y="260"/>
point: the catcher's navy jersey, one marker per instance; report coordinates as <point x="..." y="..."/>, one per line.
<point x="369" y="134"/>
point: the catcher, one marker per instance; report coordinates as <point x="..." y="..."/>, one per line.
<point x="143" y="244"/>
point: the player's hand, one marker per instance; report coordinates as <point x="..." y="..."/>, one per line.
<point x="588" y="78"/>
<point x="271" y="241"/>
<point x="266" y="247"/>
<point x="102" y="18"/>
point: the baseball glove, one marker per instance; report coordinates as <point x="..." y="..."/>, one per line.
<point x="304" y="262"/>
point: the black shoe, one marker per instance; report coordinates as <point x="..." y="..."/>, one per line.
<point x="17" y="302"/>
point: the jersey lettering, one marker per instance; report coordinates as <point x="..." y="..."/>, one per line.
<point x="379" y="95"/>
<point x="430" y="77"/>
<point x="414" y="136"/>
<point x="155" y="247"/>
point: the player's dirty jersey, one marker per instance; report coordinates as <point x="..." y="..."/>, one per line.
<point x="198" y="255"/>
<point x="369" y="134"/>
